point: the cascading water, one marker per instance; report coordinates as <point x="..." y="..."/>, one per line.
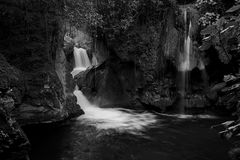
<point x="119" y="119"/>
<point x="185" y="63"/>
<point x="82" y="61"/>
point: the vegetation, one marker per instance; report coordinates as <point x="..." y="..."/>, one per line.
<point x="224" y="34"/>
<point x="221" y="30"/>
<point x="113" y="18"/>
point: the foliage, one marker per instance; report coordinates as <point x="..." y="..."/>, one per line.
<point x="29" y="28"/>
<point x="224" y="35"/>
<point x="210" y="11"/>
<point x="111" y="18"/>
<point x="81" y="12"/>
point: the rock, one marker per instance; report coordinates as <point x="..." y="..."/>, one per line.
<point x="7" y="103"/>
<point x="120" y="83"/>
<point x="229" y="94"/>
<point x="13" y="141"/>
<point x="159" y="95"/>
<point x="35" y="68"/>
<point x="35" y="81"/>
<point x="71" y="108"/>
<point x="196" y="101"/>
<point x="11" y="81"/>
<point x="111" y="83"/>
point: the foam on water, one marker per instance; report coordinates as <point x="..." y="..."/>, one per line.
<point x="119" y="119"/>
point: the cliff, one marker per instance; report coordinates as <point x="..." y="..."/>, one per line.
<point x="35" y="73"/>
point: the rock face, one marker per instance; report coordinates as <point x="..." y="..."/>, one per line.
<point x="112" y="83"/>
<point x="227" y="93"/>
<point x="33" y="44"/>
<point x="13" y="142"/>
<point x="35" y="81"/>
<point x="140" y="67"/>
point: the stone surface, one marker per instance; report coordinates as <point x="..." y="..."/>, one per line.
<point x="35" y="81"/>
<point x="113" y="82"/>
<point x="38" y="69"/>
<point x="13" y="141"/>
<point x="139" y="69"/>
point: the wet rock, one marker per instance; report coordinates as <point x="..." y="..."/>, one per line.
<point x="72" y="108"/>
<point x="159" y="95"/>
<point x="112" y="83"/>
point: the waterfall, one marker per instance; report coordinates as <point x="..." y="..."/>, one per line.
<point x="82" y="61"/>
<point x="118" y="119"/>
<point x="185" y="63"/>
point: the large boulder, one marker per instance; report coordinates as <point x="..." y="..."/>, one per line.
<point x="114" y="82"/>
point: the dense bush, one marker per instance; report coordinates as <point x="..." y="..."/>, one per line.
<point x="113" y="18"/>
<point x="224" y="35"/>
<point x="210" y="11"/>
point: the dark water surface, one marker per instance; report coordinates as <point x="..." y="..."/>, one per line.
<point x="169" y="139"/>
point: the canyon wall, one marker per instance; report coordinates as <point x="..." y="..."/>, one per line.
<point x="32" y="41"/>
<point x="35" y="81"/>
<point x="140" y="67"/>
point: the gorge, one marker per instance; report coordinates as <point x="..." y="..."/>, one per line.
<point x="104" y="80"/>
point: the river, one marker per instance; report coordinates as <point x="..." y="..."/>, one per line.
<point x="170" y="138"/>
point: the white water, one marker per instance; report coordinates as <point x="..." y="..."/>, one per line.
<point x="119" y="119"/>
<point x="185" y="64"/>
<point x="82" y="61"/>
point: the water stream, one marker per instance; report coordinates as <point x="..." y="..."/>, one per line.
<point x="124" y="134"/>
<point x="169" y="138"/>
<point x="185" y="63"/>
<point x="120" y="119"/>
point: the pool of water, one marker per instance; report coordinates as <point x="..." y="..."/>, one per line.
<point x="169" y="138"/>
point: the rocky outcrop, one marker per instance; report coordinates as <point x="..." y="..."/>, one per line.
<point x="139" y="67"/>
<point x="114" y="82"/>
<point x="35" y="81"/>
<point x="13" y="142"/>
<point x="33" y="43"/>
<point x="227" y="93"/>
